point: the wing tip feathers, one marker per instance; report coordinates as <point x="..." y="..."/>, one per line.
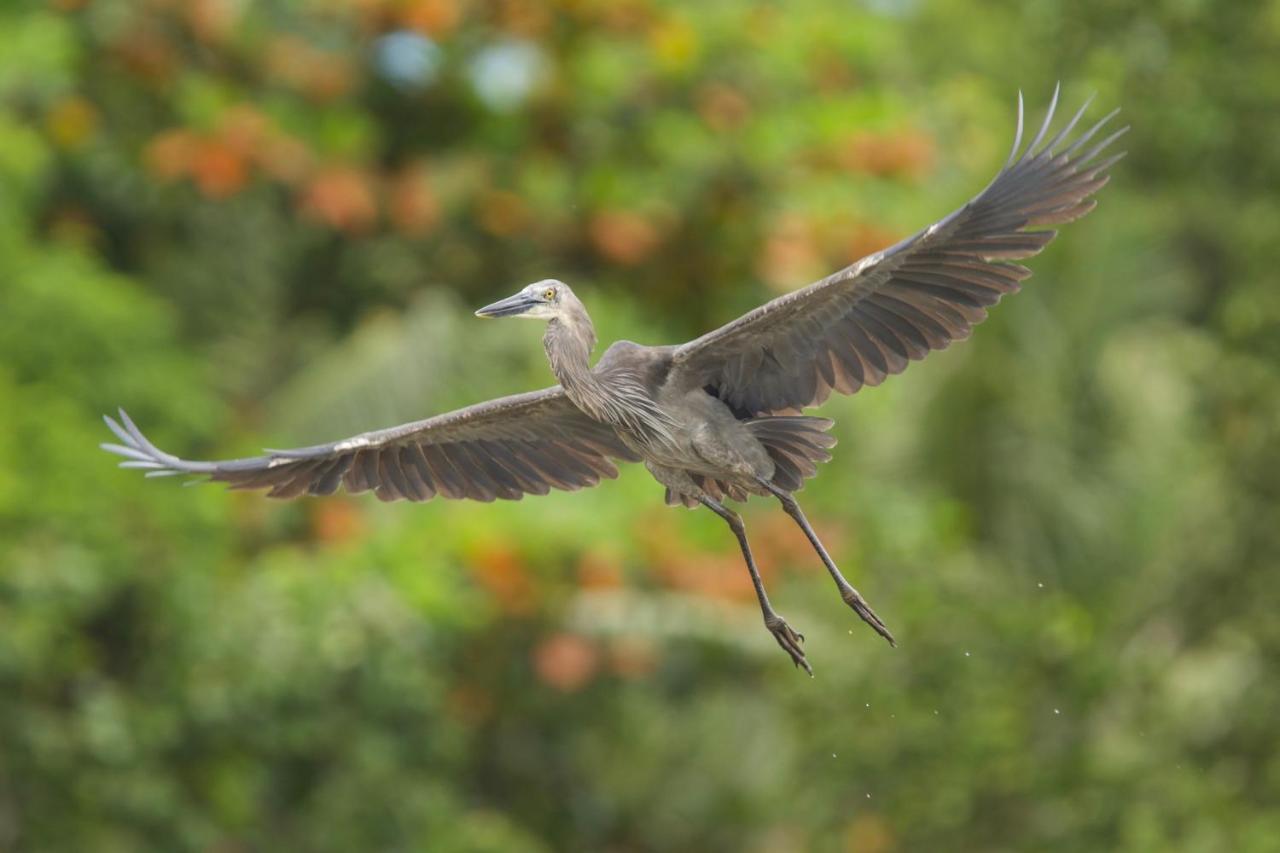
<point x="1017" y="135"/>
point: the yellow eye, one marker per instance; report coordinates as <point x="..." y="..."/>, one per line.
<point x="549" y="294"/>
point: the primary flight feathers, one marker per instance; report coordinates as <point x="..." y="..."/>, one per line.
<point x="867" y="321"/>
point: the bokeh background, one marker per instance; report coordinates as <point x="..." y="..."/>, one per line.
<point x="266" y="224"/>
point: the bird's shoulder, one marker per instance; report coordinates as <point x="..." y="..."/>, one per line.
<point x="634" y="356"/>
<point x="629" y="361"/>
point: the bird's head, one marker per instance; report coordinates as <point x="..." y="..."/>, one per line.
<point x="543" y="300"/>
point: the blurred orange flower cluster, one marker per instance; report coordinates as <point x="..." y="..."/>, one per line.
<point x="429" y="17"/>
<point x="568" y="661"/>
<point x="220" y="163"/>
<point x="905" y="154"/>
<point x="245" y="144"/>
<point x="336" y="520"/>
<point x="437" y="18"/>
<point x="791" y="254"/>
<point x="501" y="571"/>
<point x="798" y="250"/>
<point x="624" y="237"/>
<point x="341" y="197"/>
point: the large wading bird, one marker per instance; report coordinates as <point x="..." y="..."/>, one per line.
<point x="718" y="417"/>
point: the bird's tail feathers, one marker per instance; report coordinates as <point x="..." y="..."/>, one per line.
<point x="796" y="443"/>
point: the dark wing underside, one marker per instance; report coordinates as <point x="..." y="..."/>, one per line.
<point x="872" y="318"/>
<point x="505" y="448"/>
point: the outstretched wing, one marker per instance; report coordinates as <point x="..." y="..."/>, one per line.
<point x="505" y="448"/>
<point x="872" y="318"/>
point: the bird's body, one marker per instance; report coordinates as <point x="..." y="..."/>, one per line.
<point x="688" y="439"/>
<point x="717" y="417"/>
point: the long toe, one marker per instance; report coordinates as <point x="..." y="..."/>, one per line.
<point x="790" y="640"/>
<point x="860" y="606"/>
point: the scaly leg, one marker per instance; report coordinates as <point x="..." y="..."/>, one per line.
<point x="788" y="638"/>
<point x="850" y="595"/>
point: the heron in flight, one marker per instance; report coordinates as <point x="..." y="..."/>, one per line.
<point x="717" y="418"/>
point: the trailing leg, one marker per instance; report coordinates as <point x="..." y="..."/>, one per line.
<point x="787" y="637"/>
<point x="850" y="595"/>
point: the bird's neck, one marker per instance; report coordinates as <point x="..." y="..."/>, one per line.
<point x="569" y="342"/>
<point x="622" y="401"/>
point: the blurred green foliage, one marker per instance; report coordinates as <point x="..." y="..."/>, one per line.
<point x="263" y="224"/>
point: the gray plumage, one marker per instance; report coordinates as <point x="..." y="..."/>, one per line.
<point x="717" y="417"/>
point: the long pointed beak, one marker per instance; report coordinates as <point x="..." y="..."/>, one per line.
<point x="509" y="307"/>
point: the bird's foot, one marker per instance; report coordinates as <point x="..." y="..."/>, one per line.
<point x="789" y="639"/>
<point x="859" y="604"/>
